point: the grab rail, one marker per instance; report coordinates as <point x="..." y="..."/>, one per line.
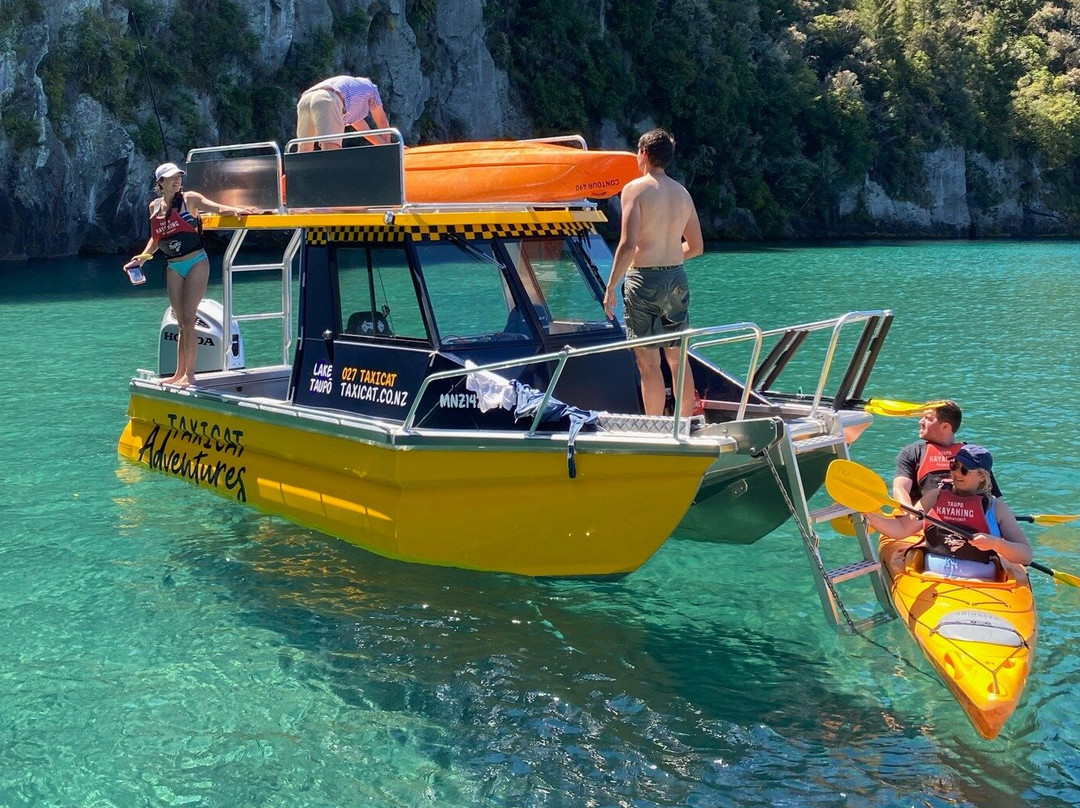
<point x="566" y="353"/>
<point x="755" y="333"/>
<point x="836" y="324"/>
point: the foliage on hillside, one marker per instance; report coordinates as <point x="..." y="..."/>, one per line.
<point x="776" y="104"/>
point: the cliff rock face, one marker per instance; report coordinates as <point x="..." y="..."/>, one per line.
<point x="73" y="179"/>
<point x="963" y="195"/>
<point x="80" y="183"/>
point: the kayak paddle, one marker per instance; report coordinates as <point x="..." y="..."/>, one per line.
<point x="1057" y="575"/>
<point x="1048" y="518"/>
<point x="900" y="409"/>
<point x="860" y="489"/>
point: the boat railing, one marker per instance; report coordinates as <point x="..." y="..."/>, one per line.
<point x="567" y="353"/>
<point x="242" y="175"/>
<point x="229" y="267"/>
<point x="835" y="324"/>
<point x="694" y="339"/>
<point x="362" y="176"/>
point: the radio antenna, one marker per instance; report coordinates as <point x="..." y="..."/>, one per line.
<point x="150" y="84"/>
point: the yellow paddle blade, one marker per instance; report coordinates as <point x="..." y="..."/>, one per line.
<point x="1057" y="575"/>
<point x="845" y="526"/>
<point x="857" y="487"/>
<point x="900" y="409"/>
<point x="1053" y="518"/>
<point x="1065" y="578"/>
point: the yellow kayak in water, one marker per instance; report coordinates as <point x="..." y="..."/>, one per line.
<point x="979" y="635"/>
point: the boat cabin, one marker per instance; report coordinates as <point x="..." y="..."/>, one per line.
<point x="399" y="297"/>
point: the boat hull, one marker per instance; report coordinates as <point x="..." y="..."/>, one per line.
<point x="742" y="504"/>
<point x="507" y="171"/>
<point x="484" y="506"/>
<point x="979" y="635"/>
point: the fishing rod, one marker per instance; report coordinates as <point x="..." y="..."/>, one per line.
<point x="150" y="84"/>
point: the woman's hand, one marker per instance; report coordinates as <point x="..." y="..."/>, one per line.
<point x="138" y="260"/>
<point x="985" y="542"/>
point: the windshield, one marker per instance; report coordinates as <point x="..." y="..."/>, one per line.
<point x="568" y="297"/>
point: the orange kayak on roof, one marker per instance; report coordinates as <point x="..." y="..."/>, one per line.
<point x="514" y="171"/>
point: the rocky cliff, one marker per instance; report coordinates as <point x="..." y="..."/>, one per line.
<point x="74" y="172"/>
<point x="81" y="183"/>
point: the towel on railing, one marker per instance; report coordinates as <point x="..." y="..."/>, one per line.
<point x="492" y="391"/>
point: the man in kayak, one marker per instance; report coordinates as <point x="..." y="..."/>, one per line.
<point x="660" y="230"/>
<point x="964" y="500"/>
<point x="340" y="101"/>
<point x="921" y="466"/>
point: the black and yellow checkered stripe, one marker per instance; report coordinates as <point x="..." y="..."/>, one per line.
<point x="384" y="234"/>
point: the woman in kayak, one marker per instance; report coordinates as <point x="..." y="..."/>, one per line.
<point x="964" y="500"/>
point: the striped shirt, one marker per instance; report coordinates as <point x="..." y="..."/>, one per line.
<point x="359" y="94"/>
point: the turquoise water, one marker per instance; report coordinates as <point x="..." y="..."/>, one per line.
<point x="162" y="646"/>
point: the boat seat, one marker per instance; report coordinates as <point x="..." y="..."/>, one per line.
<point x="368" y="324"/>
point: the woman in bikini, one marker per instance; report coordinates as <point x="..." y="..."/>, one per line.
<point x="174" y="229"/>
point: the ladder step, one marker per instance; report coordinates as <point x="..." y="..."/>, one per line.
<point x="820" y="442"/>
<point x="830" y="512"/>
<point x="849" y="571"/>
<point x="873" y="621"/>
<point x="247" y="318"/>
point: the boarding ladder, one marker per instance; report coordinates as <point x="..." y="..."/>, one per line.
<point x="229" y="267"/>
<point x="832" y="440"/>
<point x="823" y="432"/>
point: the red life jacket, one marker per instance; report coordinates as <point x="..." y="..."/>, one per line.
<point x="177" y="232"/>
<point x="936" y="460"/>
<point x="963" y="511"/>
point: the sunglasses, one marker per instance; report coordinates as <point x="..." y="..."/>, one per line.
<point x="956" y="465"/>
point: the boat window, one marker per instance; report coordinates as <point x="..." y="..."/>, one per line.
<point x="378" y="297"/>
<point x="468" y="293"/>
<point x="557" y="285"/>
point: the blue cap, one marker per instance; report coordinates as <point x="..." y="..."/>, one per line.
<point x="972" y="456"/>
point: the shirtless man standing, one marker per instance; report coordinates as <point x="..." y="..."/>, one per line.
<point x="657" y="215"/>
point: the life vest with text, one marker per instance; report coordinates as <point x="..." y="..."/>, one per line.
<point x="178" y="231"/>
<point x="934" y="465"/>
<point x="969" y="512"/>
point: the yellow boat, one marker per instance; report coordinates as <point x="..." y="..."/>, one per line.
<point x="979" y="635"/>
<point x="450" y="390"/>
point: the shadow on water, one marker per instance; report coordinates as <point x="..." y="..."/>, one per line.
<point x="533" y="692"/>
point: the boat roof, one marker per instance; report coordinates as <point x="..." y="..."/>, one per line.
<point x="502" y="184"/>
<point x="419" y="218"/>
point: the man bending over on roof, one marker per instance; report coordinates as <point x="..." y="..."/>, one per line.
<point x="660" y="230"/>
<point x="331" y="105"/>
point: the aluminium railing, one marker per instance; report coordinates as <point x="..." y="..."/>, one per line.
<point x="702" y="338"/>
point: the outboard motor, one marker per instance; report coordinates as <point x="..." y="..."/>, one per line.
<point x="209" y="328"/>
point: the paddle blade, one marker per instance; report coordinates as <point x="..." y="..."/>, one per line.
<point x="845" y="526"/>
<point x="900" y="409"/>
<point x="1066" y="578"/>
<point x="1057" y="575"/>
<point x="1053" y="518"/>
<point x="856" y="487"/>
